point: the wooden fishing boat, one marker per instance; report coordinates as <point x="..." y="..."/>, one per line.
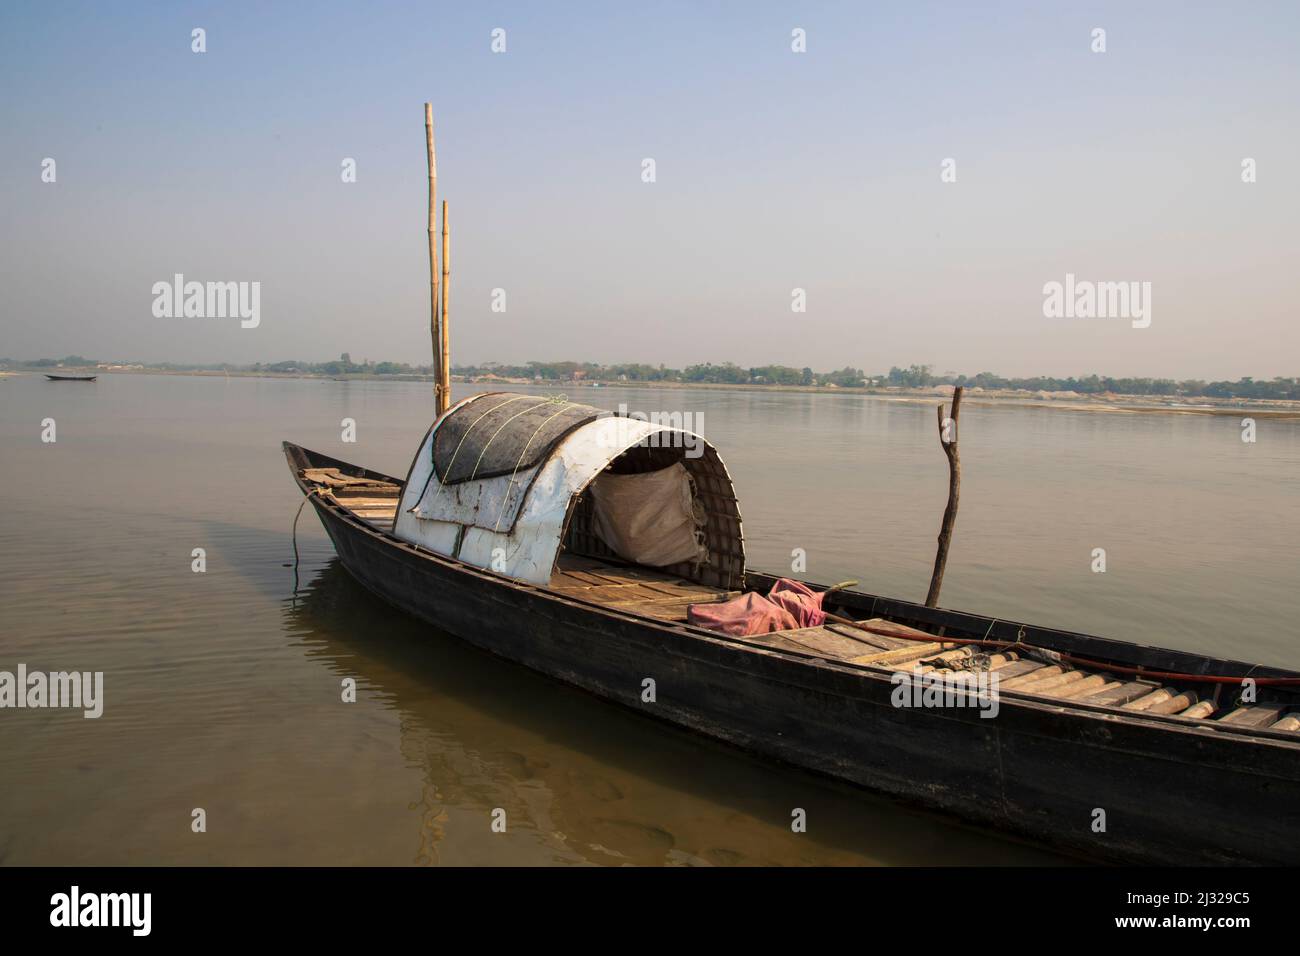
<point x="71" y="378"/>
<point x="1106" y="749"/>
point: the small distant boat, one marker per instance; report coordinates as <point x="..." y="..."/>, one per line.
<point x="71" y="378"/>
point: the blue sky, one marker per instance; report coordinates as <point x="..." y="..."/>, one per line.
<point x="775" y="171"/>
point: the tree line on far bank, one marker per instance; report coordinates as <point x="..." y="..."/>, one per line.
<point x="728" y="373"/>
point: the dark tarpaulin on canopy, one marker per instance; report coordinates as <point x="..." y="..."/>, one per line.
<point x="501" y="433"/>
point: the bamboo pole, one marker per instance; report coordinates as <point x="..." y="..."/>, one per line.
<point x="434" y="333"/>
<point x="446" y="328"/>
<point x="954" y="492"/>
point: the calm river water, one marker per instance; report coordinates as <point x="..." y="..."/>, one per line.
<point x="222" y="688"/>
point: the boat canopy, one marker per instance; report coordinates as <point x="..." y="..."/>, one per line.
<point x="508" y="482"/>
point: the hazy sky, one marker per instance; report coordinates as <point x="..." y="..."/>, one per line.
<point x="775" y="170"/>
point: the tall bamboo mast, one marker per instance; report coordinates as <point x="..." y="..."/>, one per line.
<point x="434" y="333"/>
<point x="446" y="327"/>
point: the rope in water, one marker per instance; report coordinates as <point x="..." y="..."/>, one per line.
<point x="296" y="516"/>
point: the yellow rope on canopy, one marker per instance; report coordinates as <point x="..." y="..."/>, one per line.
<point x="433" y="470"/>
<point x="502" y="510"/>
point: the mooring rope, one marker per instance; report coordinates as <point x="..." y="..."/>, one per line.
<point x="294" y="534"/>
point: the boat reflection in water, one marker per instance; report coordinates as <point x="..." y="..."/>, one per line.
<point x="585" y="783"/>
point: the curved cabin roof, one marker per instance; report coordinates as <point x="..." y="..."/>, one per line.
<point x="503" y="434"/>
<point x="498" y="482"/>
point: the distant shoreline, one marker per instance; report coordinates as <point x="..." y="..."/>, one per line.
<point x="1112" y="403"/>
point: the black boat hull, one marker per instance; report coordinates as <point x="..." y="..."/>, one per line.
<point x="1082" y="780"/>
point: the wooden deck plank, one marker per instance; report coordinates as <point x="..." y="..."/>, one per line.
<point x="902" y="631"/>
<point x="900" y="655"/>
<point x="1091" y="684"/>
<point x="643" y="591"/>
<point x="879" y="641"/>
<point x="588" y="578"/>
<point x="778" y="640"/>
<point x="1158" y="695"/>
<point x="1055" y="681"/>
<point x="1199" y="711"/>
<point x="835" y="646"/>
<point x="660" y="612"/>
<point x="1120" y="695"/>
<point x="1179" y="702"/>
<point x="1016" y="668"/>
<point x="1017" y="683"/>
<point x="1252" y="716"/>
<point x="631" y="602"/>
<point x="336" y="480"/>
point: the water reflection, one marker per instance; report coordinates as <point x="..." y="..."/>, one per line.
<point x="584" y="781"/>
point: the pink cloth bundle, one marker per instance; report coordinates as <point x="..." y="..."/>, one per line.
<point x="788" y="605"/>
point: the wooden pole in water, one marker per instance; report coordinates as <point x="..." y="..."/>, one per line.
<point x="434" y="333"/>
<point x="948" y="439"/>
<point x="446" y="329"/>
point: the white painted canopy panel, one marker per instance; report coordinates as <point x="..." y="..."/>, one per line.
<point x="514" y="523"/>
<point x="491" y="503"/>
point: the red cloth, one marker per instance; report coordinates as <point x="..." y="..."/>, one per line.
<point x="803" y="603"/>
<point x="788" y="605"/>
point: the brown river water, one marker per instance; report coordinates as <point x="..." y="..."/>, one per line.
<point x="222" y="689"/>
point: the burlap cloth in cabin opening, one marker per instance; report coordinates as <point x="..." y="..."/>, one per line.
<point x="651" y="518"/>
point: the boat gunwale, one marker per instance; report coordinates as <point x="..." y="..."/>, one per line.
<point x="1035" y="702"/>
